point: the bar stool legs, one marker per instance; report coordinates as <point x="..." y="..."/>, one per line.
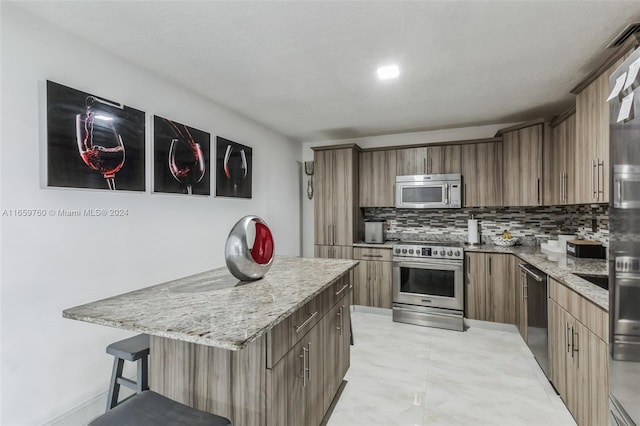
<point x="133" y="349"/>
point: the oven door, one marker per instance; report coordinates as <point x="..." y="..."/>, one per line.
<point x="627" y="300"/>
<point x="422" y="195"/>
<point x="436" y="283"/>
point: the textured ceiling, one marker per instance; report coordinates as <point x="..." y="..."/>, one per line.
<point x="307" y="69"/>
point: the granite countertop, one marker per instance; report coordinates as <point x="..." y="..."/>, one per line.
<point x="213" y="308"/>
<point x="560" y="267"/>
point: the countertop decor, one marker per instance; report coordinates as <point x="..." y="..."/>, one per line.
<point x="213" y="308"/>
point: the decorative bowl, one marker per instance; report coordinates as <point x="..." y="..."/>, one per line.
<point x="249" y="261"/>
<point x="502" y="242"/>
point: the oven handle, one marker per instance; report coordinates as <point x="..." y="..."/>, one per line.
<point x="404" y="263"/>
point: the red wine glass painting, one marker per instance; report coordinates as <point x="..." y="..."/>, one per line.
<point x="186" y="162"/>
<point x="99" y="143"/>
<point x="235" y="166"/>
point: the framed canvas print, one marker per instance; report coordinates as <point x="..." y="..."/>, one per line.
<point x="93" y="142"/>
<point x="180" y="158"/>
<point x="233" y="169"/>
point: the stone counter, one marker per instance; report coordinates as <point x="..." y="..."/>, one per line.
<point x="561" y="269"/>
<point x="213" y="308"/>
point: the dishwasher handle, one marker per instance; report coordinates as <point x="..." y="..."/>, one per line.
<point x="531" y="273"/>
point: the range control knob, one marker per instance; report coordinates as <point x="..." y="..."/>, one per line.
<point x="397" y="250"/>
<point x="410" y="251"/>
<point x="434" y="253"/>
<point x="449" y="253"/>
<point x="404" y="251"/>
<point x="457" y="253"/>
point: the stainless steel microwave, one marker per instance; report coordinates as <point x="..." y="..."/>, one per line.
<point x="626" y="186"/>
<point x="441" y="191"/>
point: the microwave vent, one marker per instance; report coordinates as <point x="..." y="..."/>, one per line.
<point x="627" y="32"/>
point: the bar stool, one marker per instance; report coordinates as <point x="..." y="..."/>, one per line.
<point x="135" y="348"/>
<point x="151" y="409"/>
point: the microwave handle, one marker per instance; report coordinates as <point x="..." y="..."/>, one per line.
<point x="446" y="194"/>
<point x="619" y="189"/>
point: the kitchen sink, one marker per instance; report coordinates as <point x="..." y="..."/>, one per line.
<point x="601" y="281"/>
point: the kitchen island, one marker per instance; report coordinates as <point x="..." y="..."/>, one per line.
<point x="268" y="352"/>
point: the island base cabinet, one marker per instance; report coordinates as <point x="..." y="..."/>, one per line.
<point x="227" y="383"/>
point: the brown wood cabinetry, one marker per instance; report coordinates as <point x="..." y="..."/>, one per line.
<point x="578" y="354"/>
<point x="592" y="140"/>
<point x="377" y="178"/>
<point x="482" y="174"/>
<point x="429" y="160"/>
<point x="373" y="277"/>
<point x="522" y="166"/>
<point x="559" y="159"/>
<point x="333" y="252"/>
<point x="490" y="289"/>
<point x="336" y="214"/>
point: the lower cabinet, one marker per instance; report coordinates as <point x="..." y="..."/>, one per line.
<point x="303" y="383"/>
<point x="373" y="277"/>
<point x="578" y="355"/>
<point x="490" y="288"/>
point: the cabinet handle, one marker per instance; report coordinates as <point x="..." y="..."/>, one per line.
<point x="600" y="191"/>
<point x="372" y="255"/>
<point x="307" y="322"/>
<point x="342" y="289"/>
<point x="561" y="185"/>
<point x="566" y="337"/>
<point x="566" y="187"/>
<point x="593" y="177"/>
<point x="333" y="235"/>
<point x="424" y="166"/>
<point x="430" y="164"/>
<point x="466" y="203"/>
<point x="303" y="375"/>
<point x="339" y="328"/>
<point x="538" y="180"/>
<point x="308" y="369"/>
<point x="489" y="265"/>
<point x="575" y="340"/>
<point x="342" y="319"/>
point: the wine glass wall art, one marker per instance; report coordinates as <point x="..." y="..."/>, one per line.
<point x="93" y="142"/>
<point x="180" y="158"/>
<point x="233" y="169"/>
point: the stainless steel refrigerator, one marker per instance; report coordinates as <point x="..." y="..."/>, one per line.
<point x="624" y="244"/>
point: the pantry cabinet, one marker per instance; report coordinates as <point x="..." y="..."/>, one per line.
<point x="490" y="290"/>
<point x="429" y="160"/>
<point x="377" y="178"/>
<point x="578" y="354"/>
<point x="373" y="277"/>
<point x="522" y="166"/>
<point x="559" y="160"/>
<point x="336" y="194"/>
<point x="482" y="174"/>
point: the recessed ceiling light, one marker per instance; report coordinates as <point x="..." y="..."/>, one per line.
<point x="388" y="71"/>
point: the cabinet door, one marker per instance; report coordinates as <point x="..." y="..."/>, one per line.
<point x="581" y="365"/>
<point x="345" y="336"/>
<point x="291" y="371"/>
<point x="444" y="159"/>
<point x="323" y="197"/>
<point x="315" y="375"/>
<point x="343" y="193"/>
<point x="482" y="174"/>
<point x="522" y="158"/>
<point x="558" y="348"/>
<point x="599" y="380"/>
<point x="377" y="178"/>
<point x="361" y="286"/>
<point x="380" y="279"/>
<point x="501" y="298"/>
<point x="331" y="348"/>
<point x="412" y="161"/>
<point x="475" y="300"/>
<point x="554" y="165"/>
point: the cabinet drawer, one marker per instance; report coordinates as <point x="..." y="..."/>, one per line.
<point x="285" y="335"/>
<point x="366" y="253"/>
<point x="334" y="293"/>
<point x="592" y="316"/>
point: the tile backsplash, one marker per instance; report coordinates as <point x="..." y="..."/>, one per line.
<point x="532" y="225"/>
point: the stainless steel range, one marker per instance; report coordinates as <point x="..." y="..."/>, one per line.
<point x="428" y="286"/>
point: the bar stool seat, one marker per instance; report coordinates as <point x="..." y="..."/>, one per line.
<point x="152" y="409"/>
<point x="136" y="349"/>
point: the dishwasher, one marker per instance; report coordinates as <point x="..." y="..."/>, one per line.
<point x="535" y="292"/>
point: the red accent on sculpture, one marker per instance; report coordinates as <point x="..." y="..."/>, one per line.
<point x="262" y="250"/>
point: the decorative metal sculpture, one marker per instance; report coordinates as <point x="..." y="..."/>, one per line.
<point x="308" y="169"/>
<point x="244" y="263"/>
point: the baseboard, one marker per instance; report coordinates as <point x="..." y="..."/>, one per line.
<point x="88" y="410"/>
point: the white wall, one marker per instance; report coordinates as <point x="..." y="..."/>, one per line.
<point x="49" y="364"/>
<point x="435" y="136"/>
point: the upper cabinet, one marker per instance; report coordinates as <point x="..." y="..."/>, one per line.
<point x="592" y="139"/>
<point x="429" y="160"/>
<point x="336" y="192"/>
<point x="377" y="178"/>
<point x="559" y="160"/>
<point x="522" y="166"/>
<point x="482" y="174"/>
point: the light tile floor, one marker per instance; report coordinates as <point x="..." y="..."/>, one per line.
<point x="409" y="375"/>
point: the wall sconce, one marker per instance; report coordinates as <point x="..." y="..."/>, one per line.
<point x="308" y="170"/>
